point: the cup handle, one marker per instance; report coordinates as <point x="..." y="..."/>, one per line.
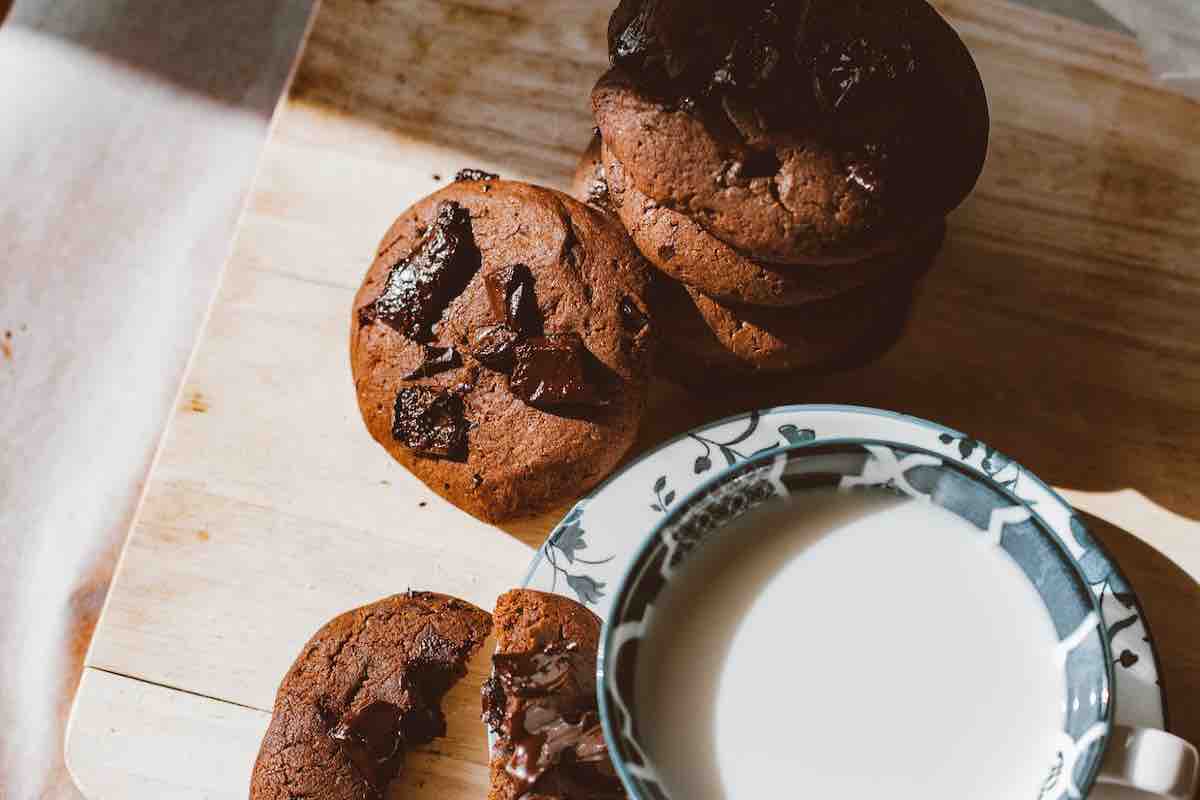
<point x="1151" y="761"/>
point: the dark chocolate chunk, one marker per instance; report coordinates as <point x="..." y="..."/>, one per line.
<point x="435" y="360"/>
<point x="493" y="346"/>
<point x="513" y="302"/>
<point x="477" y="175"/>
<point x="430" y="422"/>
<point x="376" y="736"/>
<point x="422" y="284"/>
<point x="756" y="53"/>
<point x="860" y="81"/>
<point x="674" y="41"/>
<point x="632" y="317"/>
<point x="550" y="371"/>
<point x="374" y="743"/>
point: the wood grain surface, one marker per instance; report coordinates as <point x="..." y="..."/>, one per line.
<point x="1060" y="325"/>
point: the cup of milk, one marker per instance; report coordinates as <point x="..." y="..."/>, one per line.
<point x="865" y="619"/>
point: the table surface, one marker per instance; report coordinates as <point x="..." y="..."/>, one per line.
<point x="1057" y="326"/>
<point x="175" y="100"/>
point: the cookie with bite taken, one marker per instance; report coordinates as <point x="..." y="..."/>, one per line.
<point x="366" y="689"/>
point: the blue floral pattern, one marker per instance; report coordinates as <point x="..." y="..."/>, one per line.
<point x="565" y="542"/>
<point x="588" y="552"/>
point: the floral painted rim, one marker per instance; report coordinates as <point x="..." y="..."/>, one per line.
<point x="559" y="566"/>
<point x="763" y="477"/>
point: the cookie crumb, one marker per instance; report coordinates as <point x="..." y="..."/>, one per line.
<point x="437" y="177"/>
<point x="203" y="536"/>
<point x="475" y="175"/>
<point x="198" y="404"/>
<point x="422" y="504"/>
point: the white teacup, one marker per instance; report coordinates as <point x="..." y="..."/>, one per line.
<point x="865" y="618"/>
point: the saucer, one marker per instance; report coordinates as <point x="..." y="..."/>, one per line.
<point x="587" y="554"/>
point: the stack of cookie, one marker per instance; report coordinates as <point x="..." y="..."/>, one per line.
<point x="787" y="167"/>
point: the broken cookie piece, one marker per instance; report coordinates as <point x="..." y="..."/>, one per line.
<point x="540" y="702"/>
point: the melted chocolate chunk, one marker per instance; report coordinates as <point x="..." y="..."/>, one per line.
<point x="542" y="705"/>
<point x="541" y="673"/>
<point x="434" y="361"/>
<point x="493" y="346"/>
<point x="861" y="81"/>
<point x="632" y="317"/>
<point x="430" y="422"/>
<point x="422" y="284"/>
<point x="550" y="371"/>
<point x="549" y="740"/>
<point x="374" y="743"/>
<point x="513" y="302"/>
<point x="757" y="52"/>
<point x="475" y="175"/>
<point x="672" y="41"/>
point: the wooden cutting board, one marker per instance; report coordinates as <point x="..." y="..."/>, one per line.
<point x="1061" y="325"/>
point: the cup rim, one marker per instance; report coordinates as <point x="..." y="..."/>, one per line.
<point x="758" y="460"/>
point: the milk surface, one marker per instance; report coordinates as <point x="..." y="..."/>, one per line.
<point x="854" y="645"/>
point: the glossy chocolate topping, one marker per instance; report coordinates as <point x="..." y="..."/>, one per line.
<point x="551" y="371"/>
<point x="377" y="736"/>
<point x="374" y="743"/>
<point x="431" y="422"/>
<point x="542" y="705"/>
<point x="545" y="371"/>
<point x="492" y="346"/>
<point x="513" y="302"/>
<point x="422" y="284"/>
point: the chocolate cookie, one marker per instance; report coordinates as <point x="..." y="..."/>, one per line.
<point x="797" y="132"/>
<point x="366" y="689"/>
<point x="685" y="251"/>
<point x="540" y="702"/>
<point x="701" y="334"/>
<point x="501" y="345"/>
